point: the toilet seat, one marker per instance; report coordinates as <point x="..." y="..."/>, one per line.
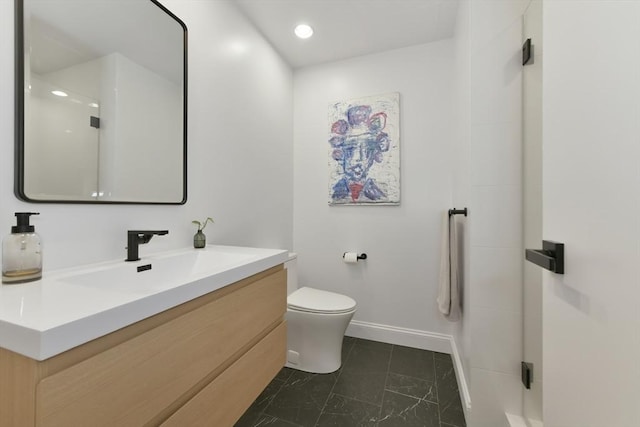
<point x="312" y="300"/>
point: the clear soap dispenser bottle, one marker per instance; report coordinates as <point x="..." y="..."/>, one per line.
<point x="21" y="252"/>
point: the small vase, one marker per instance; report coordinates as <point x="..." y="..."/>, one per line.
<point x="199" y="240"/>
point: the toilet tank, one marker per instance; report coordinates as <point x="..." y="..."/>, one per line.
<point x="292" y="272"/>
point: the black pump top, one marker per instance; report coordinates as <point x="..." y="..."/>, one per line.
<point x="23" y="223"/>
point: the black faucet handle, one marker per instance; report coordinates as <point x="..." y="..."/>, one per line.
<point x="148" y="232"/>
<point x="144" y="238"/>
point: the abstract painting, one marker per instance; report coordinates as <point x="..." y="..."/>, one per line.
<point x="364" y="153"/>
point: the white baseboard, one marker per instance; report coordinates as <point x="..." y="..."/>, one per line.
<point x="400" y="336"/>
<point x="519" y="421"/>
<point x="415" y="338"/>
<point x="463" y="386"/>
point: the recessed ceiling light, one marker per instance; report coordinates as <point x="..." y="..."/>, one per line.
<point x="303" y="31"/>
<point x="59" y="93"/>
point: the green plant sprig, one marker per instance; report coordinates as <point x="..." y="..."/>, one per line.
<point x="203" y="224"/>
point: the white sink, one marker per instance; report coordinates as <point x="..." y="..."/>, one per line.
<point x="160" y="272"/>
<point x="70" y="307"/>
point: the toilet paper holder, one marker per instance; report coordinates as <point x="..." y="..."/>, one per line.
<point x="360" y="256"/>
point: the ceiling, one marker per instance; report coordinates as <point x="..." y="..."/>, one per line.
<point x="61" y="33"/>
<point x="349" y="28"/>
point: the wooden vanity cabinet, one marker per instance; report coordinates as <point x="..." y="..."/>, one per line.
<point x="201" y="363"/>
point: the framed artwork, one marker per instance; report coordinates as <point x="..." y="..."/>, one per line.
<point x="364" y="153"/>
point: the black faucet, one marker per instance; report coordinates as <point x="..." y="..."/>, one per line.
<point x="139" y="237"/>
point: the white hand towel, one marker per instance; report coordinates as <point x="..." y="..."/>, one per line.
<point x="448" y="295"/>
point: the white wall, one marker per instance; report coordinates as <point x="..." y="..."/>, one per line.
<point x="397" y="284"/>
<point x="461" y="176"/>
<point x="240" y="150"/>
<point x="139" y="139"/>
<point x="464" y="168"/>
<point x="58" y="128"/>
<point x="492" y="333"/>
<point x="145" y="135"/>
<point x="532" y="208"/>
<point x="591" y="150"/>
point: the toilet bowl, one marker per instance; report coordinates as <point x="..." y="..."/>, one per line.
<point x="316" y="323"/>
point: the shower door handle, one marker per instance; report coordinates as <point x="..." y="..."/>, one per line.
<point x="550" y="257"/>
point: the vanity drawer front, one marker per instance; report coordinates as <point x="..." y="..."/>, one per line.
<point x="133" y="382"/>
<point x="223" y="402"/>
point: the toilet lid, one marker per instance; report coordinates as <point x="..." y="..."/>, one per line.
<point x="317" y="301"/>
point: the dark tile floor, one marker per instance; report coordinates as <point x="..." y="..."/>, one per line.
<point x="378" y="385"/>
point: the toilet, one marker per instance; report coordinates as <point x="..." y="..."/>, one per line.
<point x="316" y="323"/>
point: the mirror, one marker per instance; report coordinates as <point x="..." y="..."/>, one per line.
<point x="100" y="102"/>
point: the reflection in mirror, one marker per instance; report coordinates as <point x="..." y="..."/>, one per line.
<point x="100" y="102"/>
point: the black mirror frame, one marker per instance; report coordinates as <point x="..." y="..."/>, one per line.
<point x="19" y="117"/>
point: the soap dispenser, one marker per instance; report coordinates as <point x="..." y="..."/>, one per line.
<point x="21" y="252"/>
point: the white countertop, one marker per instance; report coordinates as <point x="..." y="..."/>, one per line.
<point x="70" y="307"/>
